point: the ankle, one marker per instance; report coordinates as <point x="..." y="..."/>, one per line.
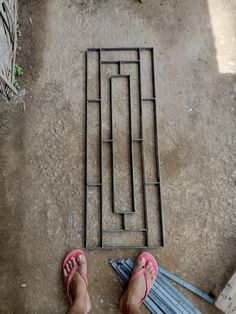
<point x="132" y="307"/>
<point x="131" y="301"/>
<point x="131" y="295"/>
<point x="78" y="307"/>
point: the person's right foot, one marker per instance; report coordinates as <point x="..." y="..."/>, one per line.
<point x="81" y="299"/>
<point x="136" y="290"/>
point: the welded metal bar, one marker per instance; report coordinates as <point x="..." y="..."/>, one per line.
<point x="119" y="76"/>
<point x="114" y="76"/>
<point x="123" y="216"/>
<point x="119" y="67"/>
<point x="157" y="150"/>
<point x="119" y="212"/>
<point x="126" y="49"/>
<point x="120" y="247"/>
<point x="121" y="49"/>
<point x="94" y="100"/>
<point x="137" y="139"/>
<point x="107" y="140"/>
<point x="101" y="149"/>
<point x="131" y="146"/>
<point x="112" y="148"/>
<point x="120" y="61"/>
<point x="124" y="222"/>
<point x="124" y="230"/>
<point x="142" y="147"/>
<point x="149" y="99"/>
<point x="86" y="152"/>
<point x="111" y="140"/>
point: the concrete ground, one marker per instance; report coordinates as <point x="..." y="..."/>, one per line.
<point x="42" y="145"/>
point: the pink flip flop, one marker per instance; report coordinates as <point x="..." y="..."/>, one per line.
<point x="135" y="275"/>
<point x="67" y="280"/>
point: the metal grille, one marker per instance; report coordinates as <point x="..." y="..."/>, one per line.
<point x="109" y="225"/>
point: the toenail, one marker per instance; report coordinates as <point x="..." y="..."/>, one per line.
<point x="81" y="258"/>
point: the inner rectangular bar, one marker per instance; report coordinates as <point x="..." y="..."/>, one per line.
<point x="158" y="174"/>
<point x="120" y="49"/>
<point x="122" y="230"/>
<point x="121" y="62"/>
<point x="86" y="152"/>
<point x="119" y="211"/>
<point x="101" y="148"/>
<point x="142" y="147"/>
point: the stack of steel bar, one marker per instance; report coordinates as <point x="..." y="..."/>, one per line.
<point x="164" y="297"/>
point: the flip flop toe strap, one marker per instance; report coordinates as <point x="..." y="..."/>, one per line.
<point x="136" y="275"/>
<point x="78" y="269"/>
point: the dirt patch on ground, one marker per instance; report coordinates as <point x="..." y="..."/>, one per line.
<point x="33" y="18"/>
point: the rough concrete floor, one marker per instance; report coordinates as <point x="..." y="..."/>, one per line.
<point x="42" y="146"/>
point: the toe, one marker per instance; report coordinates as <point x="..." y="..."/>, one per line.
<point x="67" y="268"/>
<point x="65" y="272"/>
<point x="73" y="261"/>
<point x="149" y="267"/>
<point x="139" y="263"/>
<point x="70" y="265"/>
<point x="82" y="262"/>
<point x="81" y="259"/>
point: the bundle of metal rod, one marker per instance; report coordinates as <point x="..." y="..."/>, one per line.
<point x="164" y="297"/>
<point x="97" y="185"/>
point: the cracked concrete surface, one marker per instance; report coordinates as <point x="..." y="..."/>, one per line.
<point x="42" y="147"/>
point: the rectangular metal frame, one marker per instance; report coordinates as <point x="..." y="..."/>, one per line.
<point x="111" y="141"/>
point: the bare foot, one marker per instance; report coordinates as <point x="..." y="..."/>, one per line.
<point x="136" y="290"/>
<point x="78" y="288"/>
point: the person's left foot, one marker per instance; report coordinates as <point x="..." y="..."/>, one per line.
<point x="78" y="287"/>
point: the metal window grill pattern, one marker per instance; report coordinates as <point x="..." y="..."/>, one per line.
<point x="100" y="232"/>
